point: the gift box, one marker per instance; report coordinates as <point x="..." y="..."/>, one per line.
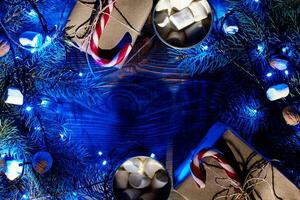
<point x="120" y="21"/>
<point x="258" y="177"/>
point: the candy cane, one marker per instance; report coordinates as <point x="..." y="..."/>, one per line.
<point x="198" y="171"/>
<point x="124" y="46"/>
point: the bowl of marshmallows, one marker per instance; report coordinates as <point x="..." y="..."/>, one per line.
<point x="141" y="178"/>
<point x="182" y="23"/>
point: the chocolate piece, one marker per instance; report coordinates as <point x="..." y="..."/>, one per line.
<point x="198" y="10"/>
<point x="291" y="116"/>
<point x="4" y="46"/>
<point x="176" y="38"/>
<point x="182" y="19"/>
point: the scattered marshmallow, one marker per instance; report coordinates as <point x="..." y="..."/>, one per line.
<point x="278" y="92"/>
<point x="182" y="19"/>
<point x="14" y="96"/>
<point x="279" y="64"/>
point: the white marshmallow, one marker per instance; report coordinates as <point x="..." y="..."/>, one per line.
<point x="14" y="96"/>
<point x="279" y="64"/>
<point x="198" y="10"/>
<point x="121" y="179"/>
<point x="182" y="19"/>
<point x="206" y="5"/>
<point x="151" y="166"/>
<point x="163" y="5"/>
<point x="133" y="165"/>
<point x="278" y="92"/>
<point x="162" y="19"/>
<point x="160" y="179"/>
<point x="180" y="4"/>
<point x="138" y="181"/>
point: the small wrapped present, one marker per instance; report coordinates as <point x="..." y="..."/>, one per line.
<point x="107" y="29"/>
<point x="241" y="173"/>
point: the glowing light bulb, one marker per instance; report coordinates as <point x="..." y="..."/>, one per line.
<point x="28" y="108"/>
<point x="104" y="162"/>
<point x="269" y="74"/>
<point x="14" y="169"/>
<point x="152" y="155"/>
<point x="286" y="72"/>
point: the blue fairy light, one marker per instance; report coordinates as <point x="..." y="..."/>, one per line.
<point x="230" y="30"/>
<point x="286" y="72"/>
<point x="33" y="14"/>
<point x="25" y="196"/>
<point x="205" y="47"/>
<point x="44" y="103"/>
<point x="152" y="155"/>
<point x="269" y="74"/>
<point x="260" y="48"/>
<point x="62" y="137"/>
<point x="28" y="108"/>
<point x="257" y="1"/>
<point x="284" y="49"/>
<point x="80" y="74"/>
<point x="100" y="153"/>
<point x="14" y="169"/>
<point x="252" y="112"/>
<point x="104" y="162"/>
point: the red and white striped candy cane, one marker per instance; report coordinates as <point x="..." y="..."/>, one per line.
<point x="198" y="171"/>
<point x="124" y="46"/>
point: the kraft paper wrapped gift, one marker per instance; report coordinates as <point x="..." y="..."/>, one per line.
<point x="274" y="185"/>
<point x="135" y="14"/>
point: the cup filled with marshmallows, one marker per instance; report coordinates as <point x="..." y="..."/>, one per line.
<point x="182" y="23"/>
<point x="141" y="178"/>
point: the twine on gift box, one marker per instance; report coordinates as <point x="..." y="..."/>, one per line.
<point x="245" y="190"/>
<point x="90" y="28"/>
